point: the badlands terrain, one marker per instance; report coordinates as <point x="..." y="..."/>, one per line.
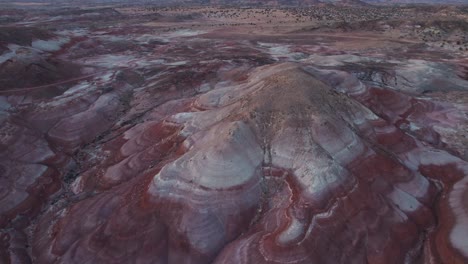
<point x="146" y="134"/>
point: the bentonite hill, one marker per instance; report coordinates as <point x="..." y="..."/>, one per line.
<point x="303" y="132"/>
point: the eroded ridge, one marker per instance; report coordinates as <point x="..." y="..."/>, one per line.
<point x="279" y="168"/>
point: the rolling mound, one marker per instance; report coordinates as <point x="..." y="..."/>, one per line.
<point x="279" y="168"/>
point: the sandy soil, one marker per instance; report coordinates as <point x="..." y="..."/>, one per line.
<point x="145" y="134"/>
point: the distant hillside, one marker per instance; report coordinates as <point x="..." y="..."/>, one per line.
<point x="253" y="2"/>
<point x="417" y="1"/>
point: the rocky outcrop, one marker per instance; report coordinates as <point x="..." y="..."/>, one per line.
<point x="279" y="168"/>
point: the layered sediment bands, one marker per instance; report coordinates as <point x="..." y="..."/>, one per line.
<point x="180" y="135"/>
<point x="113" y="227"/>
<point x="26" y="176"/>
<point x="83" y="127"/>
<point x="37" y="140"/>
<point x="279" y="168"/>
<point x="424" y="138"/>
<point x="208" y="196"/>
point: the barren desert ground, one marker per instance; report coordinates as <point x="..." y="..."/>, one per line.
<point x="233" y="134"/>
